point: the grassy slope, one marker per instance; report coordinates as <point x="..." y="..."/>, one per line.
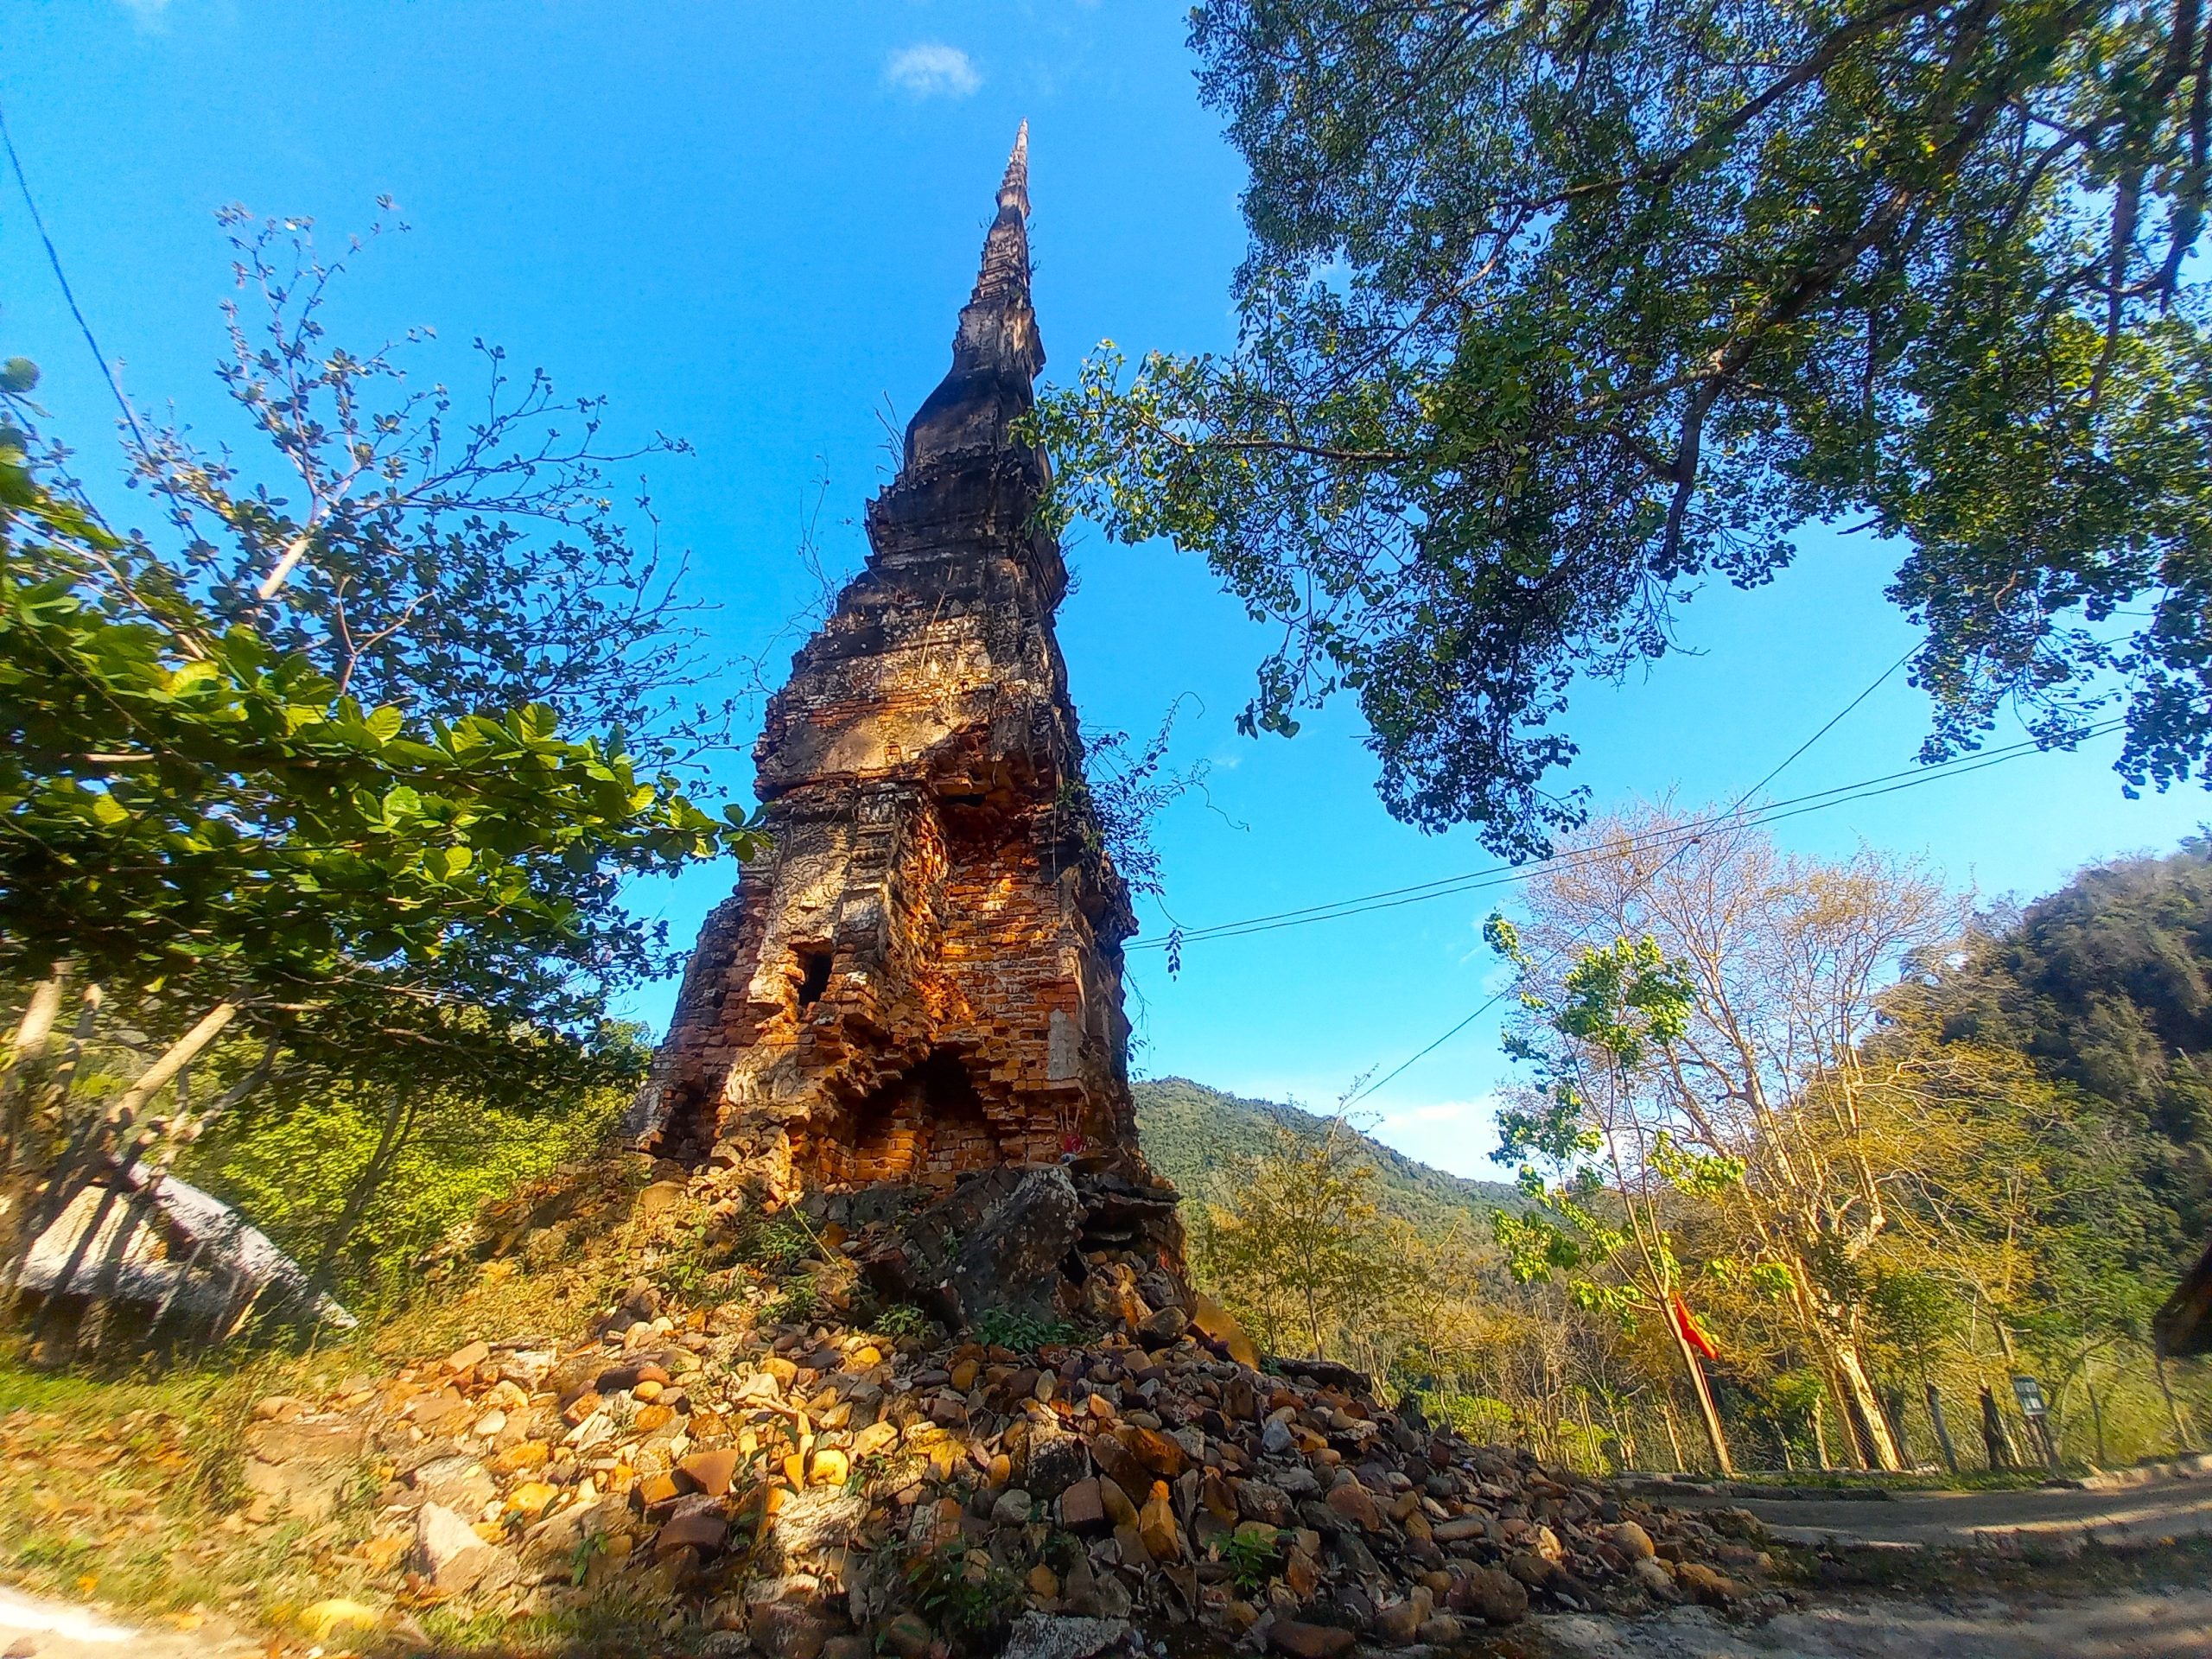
<point x="1192" y="1134"/>
<point x="122" y="1490"/>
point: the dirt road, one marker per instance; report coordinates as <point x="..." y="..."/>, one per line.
<point x="2162" y="1508"/>
<point x="32" y="1627"/>
<point x="2139" y="1624"/>
<point x="2136" y="1624"/>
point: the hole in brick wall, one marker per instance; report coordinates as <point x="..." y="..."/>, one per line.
<point x="812" y="962"/>
<point x="947" y="1092"/>
<point x="928" y="1125"/>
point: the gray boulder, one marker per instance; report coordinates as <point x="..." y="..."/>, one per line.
<point x="1042" y="1636"/>
<point x="997" y="1241"/>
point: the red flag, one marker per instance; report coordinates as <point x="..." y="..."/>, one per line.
<point x="1692" y="1333"/>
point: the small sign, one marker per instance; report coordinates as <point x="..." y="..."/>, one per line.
<point x="2029" y="1393"/>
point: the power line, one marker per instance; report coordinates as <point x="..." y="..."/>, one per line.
<point x="1222" y="929"/>
<point x="1977" y="763"/>
<point x="1505" y="875"/>
<point x="69" y="294"/>
<point x="1833" y="721"/>
<point x="1366" y="1090"/>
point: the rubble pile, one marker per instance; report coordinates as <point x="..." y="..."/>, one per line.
<point x="819" y="1489"/>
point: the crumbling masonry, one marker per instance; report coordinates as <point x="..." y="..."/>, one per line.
<point x="923" y="981"/>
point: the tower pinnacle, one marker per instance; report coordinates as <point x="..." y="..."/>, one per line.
<point x="996" y="353"/>
<point x="921" y="982"/>
<point x="1013" y="189"/>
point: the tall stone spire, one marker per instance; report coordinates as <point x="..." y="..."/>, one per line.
<point x="1015" y="185"/>
<point x="920" y="986"/>
<point x="996" y="351"/>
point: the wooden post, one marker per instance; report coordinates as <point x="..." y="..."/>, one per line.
<point x="2096" y="1413"/>
<point x="1703" y="1389"/>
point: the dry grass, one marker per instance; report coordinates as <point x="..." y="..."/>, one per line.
<point x="120" y="1492"/>
<point x="124" y="1490"/>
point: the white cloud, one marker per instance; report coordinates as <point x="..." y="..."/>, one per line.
<point x="1457" y="1136"/>
<point x="929" y="69"/>
<point x="1443" y="1111"/>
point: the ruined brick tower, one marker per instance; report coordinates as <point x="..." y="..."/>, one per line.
<point x="924" y="978"/>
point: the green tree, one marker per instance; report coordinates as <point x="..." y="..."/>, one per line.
<point x="1785" y="960"/>
<point x="1602" y="1173"/>
<point x="447" y="560"/>
<point x="205" y="822"/>
<point x="213" y="831"/>
<point x="2106" y="985"/>
<point x="1301" y="1248"/>
<point x="1551" y="312"/>
<point x="2037" y="1202"/>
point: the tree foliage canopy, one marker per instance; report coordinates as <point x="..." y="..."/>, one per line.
<point x="449" y="555"/>
<point x="333" y="775"/>
<point x="1887" y="1154"/>
<point x="359" y="741"/>
<point x="2105" y="985"/>
<point x="216" y="817"/>
<point x="1551" y="311"/>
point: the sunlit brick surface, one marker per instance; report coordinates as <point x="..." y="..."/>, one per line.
<point x="925" y="976"/>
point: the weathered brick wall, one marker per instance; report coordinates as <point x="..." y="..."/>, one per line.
<point x="924" y="978"/>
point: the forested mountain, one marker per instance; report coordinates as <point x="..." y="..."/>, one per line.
<point x="1194" y="1136"/>
<point x="2107" y="985"/>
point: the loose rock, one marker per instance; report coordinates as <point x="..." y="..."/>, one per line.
<point x="449" y="1553"/>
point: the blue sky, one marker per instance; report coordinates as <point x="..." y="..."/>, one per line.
<point x="752" y="225"/>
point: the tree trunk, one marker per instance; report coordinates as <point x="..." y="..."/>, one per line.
<point x="2096" y="1408"/>
<point x="23" y="1077"/>
<point x="26" y="1054"/>
<point x="1623" y="1434"/>
<point x="1942" y="1429"/>
<point x="32" y="1212"/>
<point x="1863" y="1410"/>
<point x="65" y="1071"/>
<point x="1820" y="1437"/>
<point x="27" y="1046"/>
<point x="179" y="1054"/>
<point x="1893" y="1409"/>
<point x="1674" y="1434"/>
<point x="1820" y="1334"/>
<point x="1996" y="1438"/>
<point x="398" y="1120"/>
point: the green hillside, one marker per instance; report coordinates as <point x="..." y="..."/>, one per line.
<point x="1194" y="1135"/>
